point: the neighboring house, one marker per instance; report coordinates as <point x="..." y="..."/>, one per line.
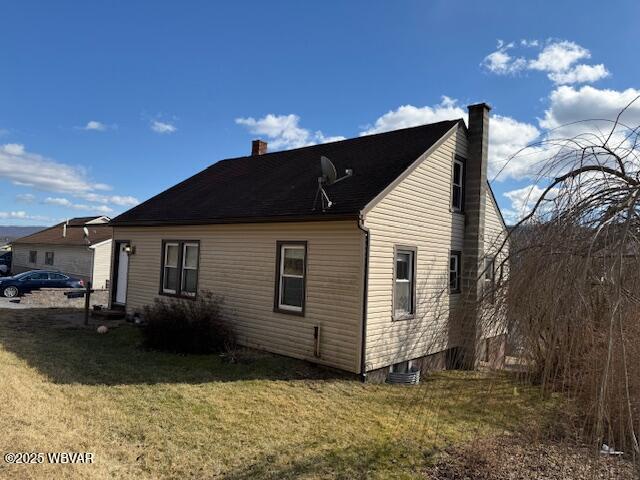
<point x="80" y="247"/>
<point x="371" y="281"/>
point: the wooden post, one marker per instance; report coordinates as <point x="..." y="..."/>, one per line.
<point x="87" y="299"/>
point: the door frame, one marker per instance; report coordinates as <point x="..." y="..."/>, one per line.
<point x="114" y="273"/>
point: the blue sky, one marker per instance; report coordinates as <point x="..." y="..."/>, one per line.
<point x="103" y="104"/>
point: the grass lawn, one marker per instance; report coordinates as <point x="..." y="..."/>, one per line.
<point x="154" y="415"/>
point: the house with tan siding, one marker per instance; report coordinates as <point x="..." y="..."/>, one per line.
<point x="381" y="270"/>
<point x="79" y="247"/>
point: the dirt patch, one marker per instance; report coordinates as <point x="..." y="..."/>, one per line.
<point x="515" y="458"/>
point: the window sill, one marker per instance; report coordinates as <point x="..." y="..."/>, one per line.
<point x="400" y="318"/>
<point x="177" y="295"/>
<point x="289" y="312"/>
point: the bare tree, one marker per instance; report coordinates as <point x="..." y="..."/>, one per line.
<point x="573" y="293"/>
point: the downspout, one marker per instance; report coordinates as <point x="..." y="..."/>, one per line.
<point x="365" y="296"/>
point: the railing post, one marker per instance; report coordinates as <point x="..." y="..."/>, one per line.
<point x="87" y="298"/>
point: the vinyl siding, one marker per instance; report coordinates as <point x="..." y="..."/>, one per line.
<point x="73" y="261"/>
<point x="102" y="264"/>
<point x="494" y="235"/>
<point x="416" y="213"/>
<point x="238" y="262"/>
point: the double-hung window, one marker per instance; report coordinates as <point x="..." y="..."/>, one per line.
<point x="457" y="185"/>
<point x="291" y="278"/>
<point x="404" y="283"/>
<point x="454" y="272"/>
<point x="33" y="256"/>
<point x="48" y="258"/>
<point x="180" y="268"/>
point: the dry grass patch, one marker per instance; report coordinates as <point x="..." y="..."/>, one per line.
<point x="156" y="415"/>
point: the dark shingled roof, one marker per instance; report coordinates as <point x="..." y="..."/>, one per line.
<point x="282" y="185"/>
<point x="98" y="232"/>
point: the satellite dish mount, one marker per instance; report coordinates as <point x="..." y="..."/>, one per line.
<point x="329" y="177"/>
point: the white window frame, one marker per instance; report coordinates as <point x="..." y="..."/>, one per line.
<point x="291" y="246"/>
<point x="165" y="266"/>
<point x="456" y="162"/>
<point x="184" y="267"/>
<point x="413" y="253"/>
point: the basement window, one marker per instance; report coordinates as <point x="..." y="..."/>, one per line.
<point x="403" y="367"/>
<point x="454" y="272"/>
<point x="404" y="292"/>
<point x="33" y="256"/>
<point x="180" y="262"/>
<point x="48" y="258"/>
<point x="291" y="277"/>
<point x="457" y="186"/>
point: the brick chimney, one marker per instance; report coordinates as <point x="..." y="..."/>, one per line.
<point x="474" y="209"/>
<point x="258" y="147"/>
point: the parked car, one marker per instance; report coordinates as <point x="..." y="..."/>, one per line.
<point x="5" y="263"/>
<point x="33" y="280"/>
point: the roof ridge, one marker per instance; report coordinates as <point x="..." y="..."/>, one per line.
<point x="351" y="139"/>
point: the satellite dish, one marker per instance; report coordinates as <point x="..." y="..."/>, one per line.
<point x="86" y="231"/>
<point x="328" y="170"/>
<point x="329" y="177"/>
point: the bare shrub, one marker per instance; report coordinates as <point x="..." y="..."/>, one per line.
<point x="573" y="293"/>
<point x="187" y="326"/>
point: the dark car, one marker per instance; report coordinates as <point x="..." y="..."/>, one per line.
<point x="5" y="263"/>
<point x="35" y="279"/>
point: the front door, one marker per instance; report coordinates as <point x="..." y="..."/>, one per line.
<point x="121" y="273"/>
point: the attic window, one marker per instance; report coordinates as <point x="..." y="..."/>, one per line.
<point x="457" y="185"/>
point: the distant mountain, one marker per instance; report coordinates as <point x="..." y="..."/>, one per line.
<point x="8" y="233"/>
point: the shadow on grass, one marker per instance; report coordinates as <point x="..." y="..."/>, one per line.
<point x="68" y="353"/>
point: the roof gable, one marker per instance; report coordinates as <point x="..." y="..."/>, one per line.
<point x="283" y="185"/>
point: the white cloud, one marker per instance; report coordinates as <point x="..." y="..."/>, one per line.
<point x="62" y="202"/>
<point x="501" y="62"/>
<point x="580" y="74"/>
<point x="25" y="198"/>
<point x="558" y="58"/>
<point x="507" y="136"/>
<point x="284" y="131"/>
<point x="120" y="200"/>
<point x="409" y="116"/>
<point x="30" y="169"/>
<point x="569" y="104"/>
<point x="22" y="215"/>
<point x="162" y="127"/>
<point x="523" y="200"/>
<point x="65" y="202"/>
<point x="95" y="125"/>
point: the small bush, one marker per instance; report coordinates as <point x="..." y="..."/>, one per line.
<point x="187" y="326"/>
